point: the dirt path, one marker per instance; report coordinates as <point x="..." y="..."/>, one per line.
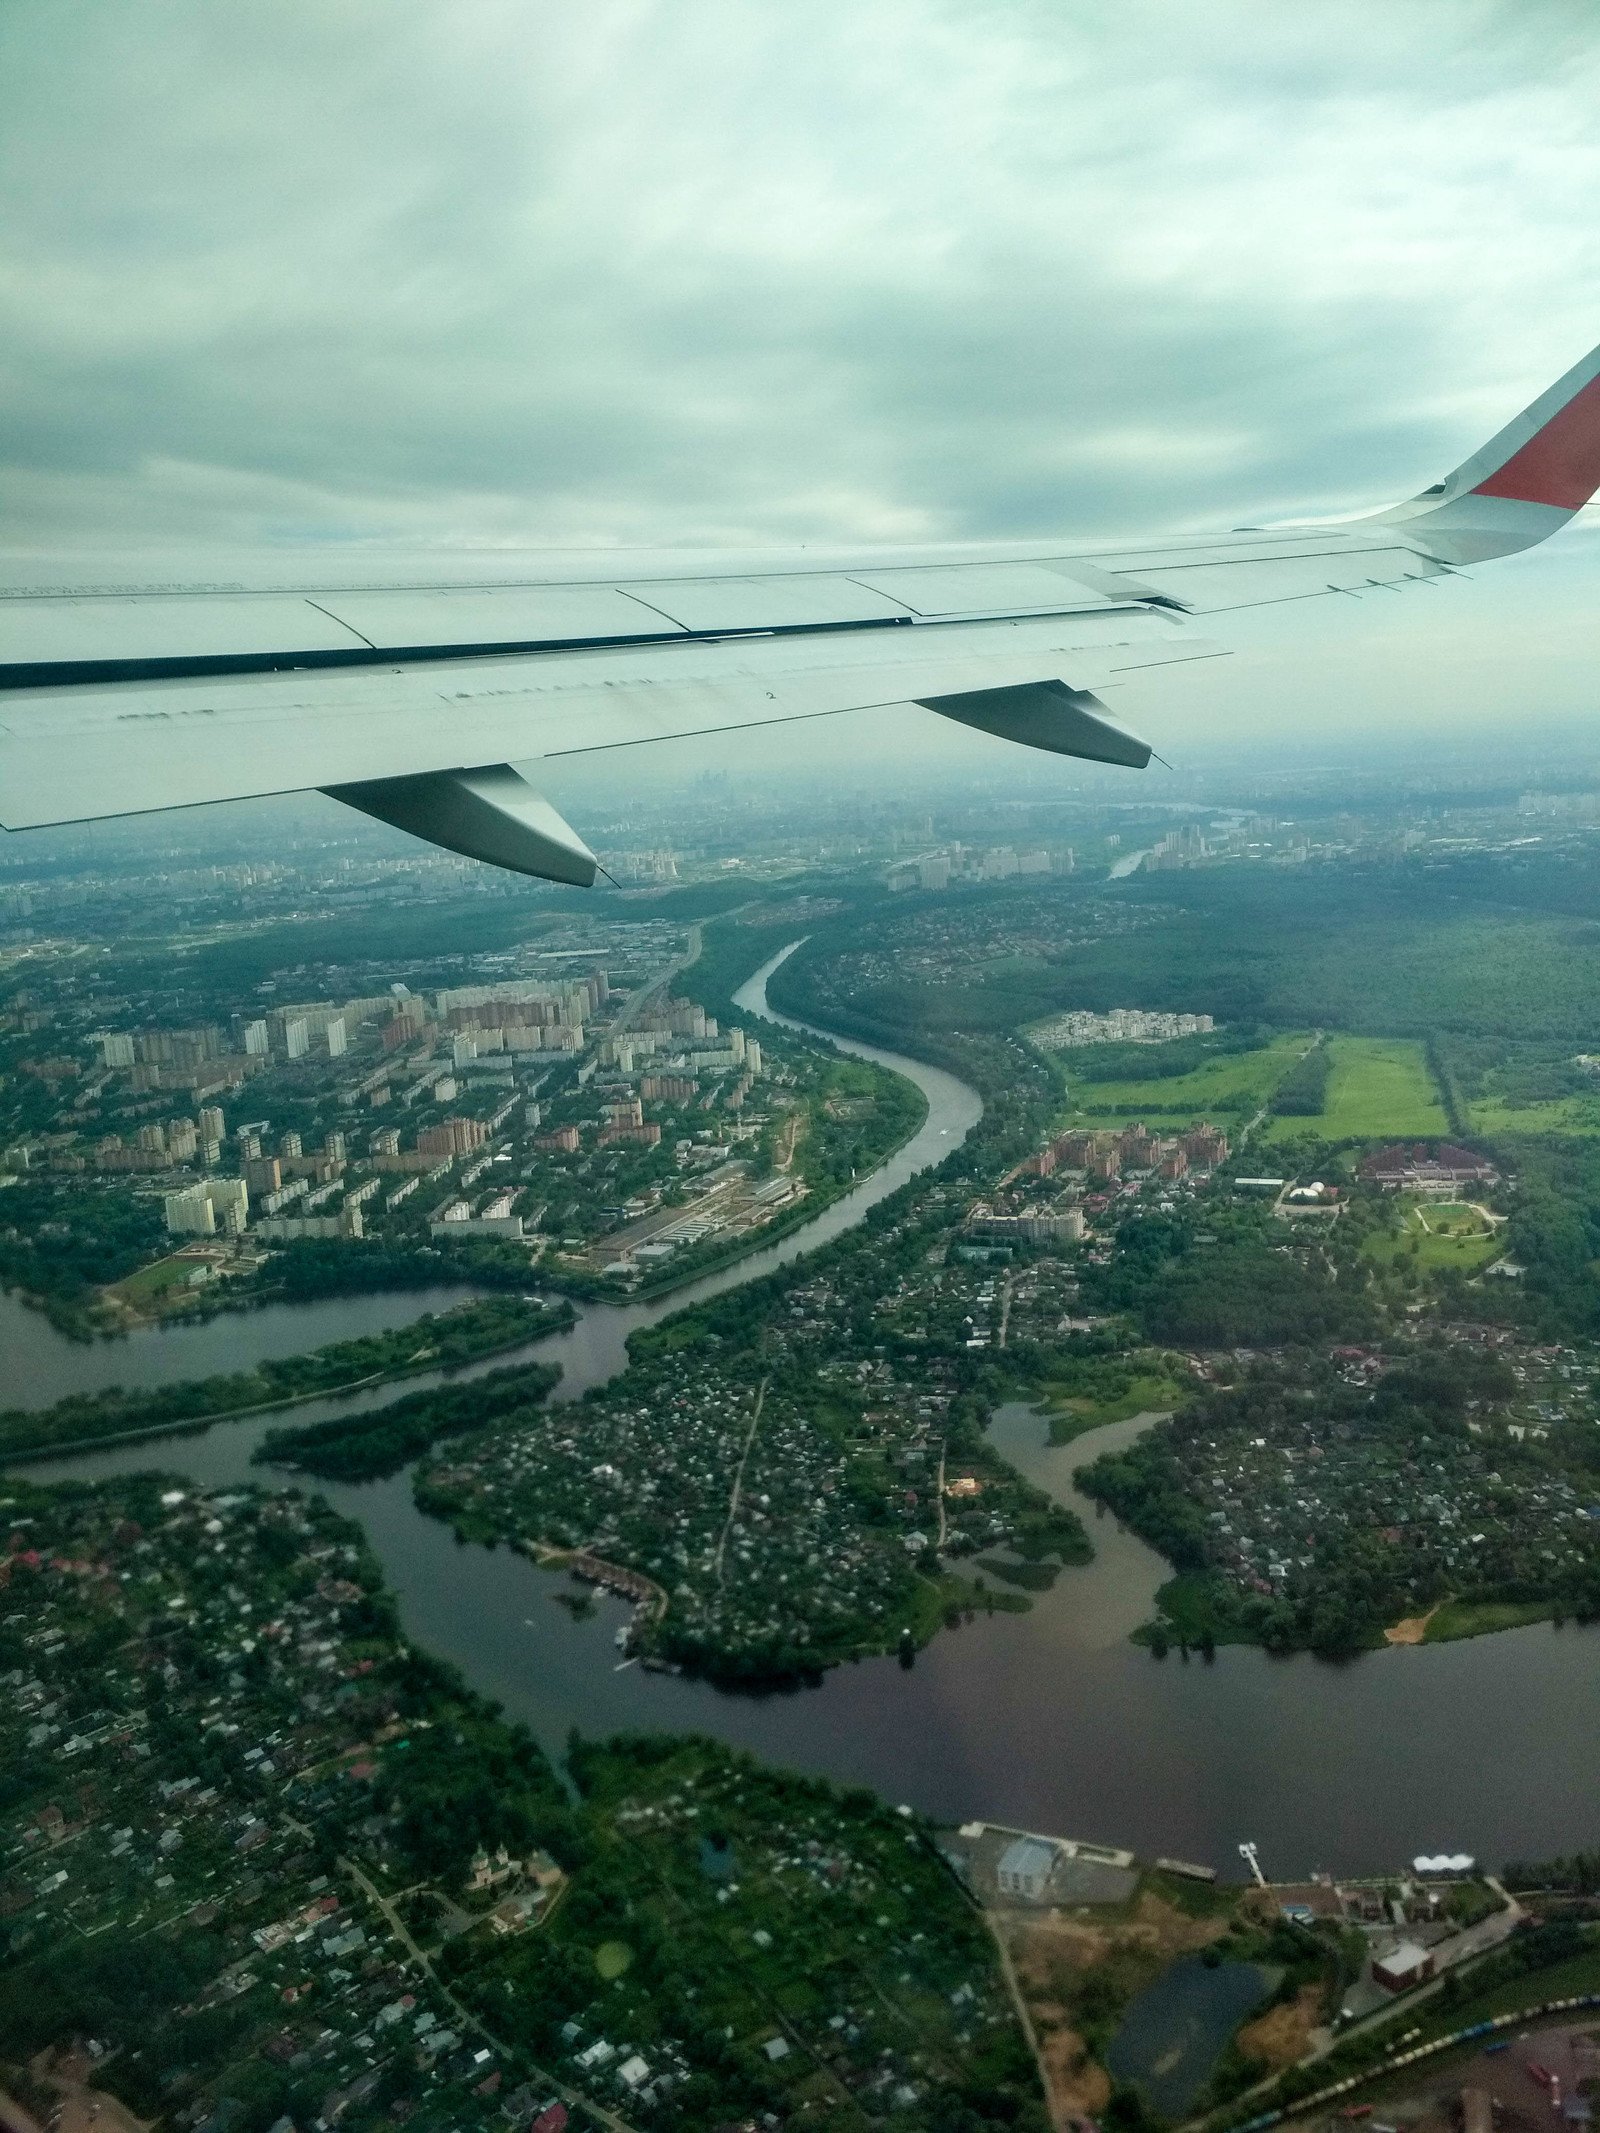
<point x="738" y="1481"/>
<point x="1008" y="1972"/>
<point x="1413" y="1629"/>
<point x="573" y="2098"/>
<point x="791" y="1134"/>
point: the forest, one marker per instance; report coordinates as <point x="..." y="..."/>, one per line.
<point x="369" y="1447"/>
<point x="59" y="1241"/>
<point x="1303" y="1091"/>
<point x="1476" y="947"/>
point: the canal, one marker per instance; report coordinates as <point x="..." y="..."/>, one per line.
<point x="1050" y="1720"/>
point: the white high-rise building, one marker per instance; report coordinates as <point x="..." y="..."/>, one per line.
<point x="220" y="1205"/>
<point x="336" y="1038"/>
<point x="116" y="1049"/>
<point x="255" y="1040"/>
<point x="211" y="1123"/>
<point x="752" y="1058"/>
<point x="190" y="1214"/>
<point x="296" y="1039"/>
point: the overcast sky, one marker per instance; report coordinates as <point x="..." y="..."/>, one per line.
<point x="720" y="270"/>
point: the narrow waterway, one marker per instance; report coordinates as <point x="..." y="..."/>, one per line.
<point x="1052" y="1719"/>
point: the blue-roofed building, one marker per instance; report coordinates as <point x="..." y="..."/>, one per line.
<point x="1025" y="1867"/>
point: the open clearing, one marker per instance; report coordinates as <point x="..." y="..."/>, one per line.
<point x="1074" y="1414"/>
<point x="1436" y="1234"/>
<point x="1282" y="2036"/>
<point x="1076" y="1973"/>
<point x="1234" y="1085"/>
<point x="1380" y="1089"/>
<point x="1578" y="1116"/>
<point x="1481" y="1618"/>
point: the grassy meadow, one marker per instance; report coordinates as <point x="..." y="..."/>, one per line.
<point x="1437" y="1234"/>
<point x="1232" y="1087"/>
<point x="1380" y="1089"/>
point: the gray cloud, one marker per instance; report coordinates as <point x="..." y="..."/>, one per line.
<point x="717" y="269"/>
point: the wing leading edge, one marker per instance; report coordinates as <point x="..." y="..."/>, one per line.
<point x="429" y="705"/>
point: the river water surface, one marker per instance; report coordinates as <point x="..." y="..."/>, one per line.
<point x="1050" y="1720"/>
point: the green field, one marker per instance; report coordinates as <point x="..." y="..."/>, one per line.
<point x="1437" y="1234"/>
<point x="1380" y="1089"/>
<point x="154" y="1280"/>
<point x="1580" y="1115"/>
<point x="1233" y="1086"/>
<point x="1481" y="1618"/>
<point x="1074" y="1415"/>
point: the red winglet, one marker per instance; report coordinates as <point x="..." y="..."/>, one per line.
<point x="1559" y="464"/>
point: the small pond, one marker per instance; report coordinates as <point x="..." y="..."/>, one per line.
<point x="1175" y="2031"/>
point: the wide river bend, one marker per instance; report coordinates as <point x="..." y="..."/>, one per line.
<point x="1050" y="1720"/>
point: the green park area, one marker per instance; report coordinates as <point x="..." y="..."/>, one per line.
<point x="1500" y="1112"/>
<point x="1231" y="1086"/>
<point x="1494" y="1114"/>
<point x="1454" y="1619"/>
<point x="1436" y="1234"/>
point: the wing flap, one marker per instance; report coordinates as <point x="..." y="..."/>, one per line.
<point x="1213" y="587"/>
<point x="63" y="632"/>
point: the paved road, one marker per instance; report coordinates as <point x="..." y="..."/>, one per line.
<point x="646" y="993"/>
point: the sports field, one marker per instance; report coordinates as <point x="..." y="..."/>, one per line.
<point x="1380" y="1089"/>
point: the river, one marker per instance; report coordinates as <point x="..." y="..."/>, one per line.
<point x="1051" y="1720"/>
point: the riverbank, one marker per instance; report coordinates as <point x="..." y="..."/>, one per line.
<point x="470" y="1333"/>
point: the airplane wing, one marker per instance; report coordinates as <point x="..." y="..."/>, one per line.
<point x="429" y="704"/>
